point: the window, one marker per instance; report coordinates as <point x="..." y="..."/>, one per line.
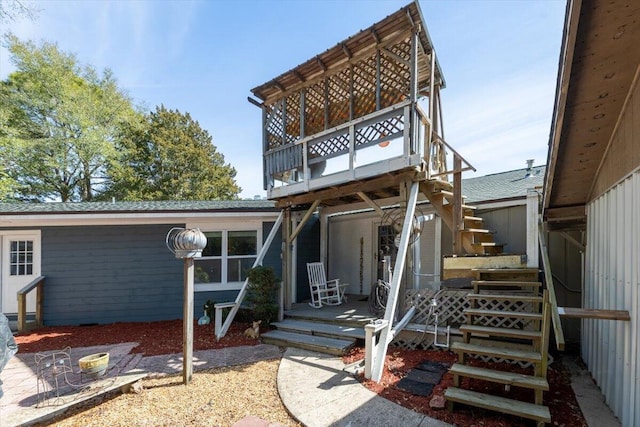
<point x="21" y="257"/>
<point x="226" y="259"/>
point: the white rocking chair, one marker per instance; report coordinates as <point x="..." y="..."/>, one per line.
<point x="323" y="291"/>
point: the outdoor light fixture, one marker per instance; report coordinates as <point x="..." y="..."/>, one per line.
<point x="187" y="244"/>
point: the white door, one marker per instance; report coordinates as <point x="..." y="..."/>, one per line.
<point x="19" y="265"/>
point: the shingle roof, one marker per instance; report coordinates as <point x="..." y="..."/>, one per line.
<point x="144" y="206"/>
<point x="499" y="186"/>
<point x="503" y="185"/>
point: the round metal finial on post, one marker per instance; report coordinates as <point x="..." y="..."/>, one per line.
<point x="187" y="244"/>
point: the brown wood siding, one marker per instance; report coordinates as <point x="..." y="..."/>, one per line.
<point x="623" y="154"/>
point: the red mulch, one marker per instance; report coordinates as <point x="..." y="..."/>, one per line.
<point x="165" y="337"/>
<point x="154" y="338"/>
<point x="560" y="398"/>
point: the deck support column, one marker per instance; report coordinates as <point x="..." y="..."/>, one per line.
<point x="286" y="258"/>
<point x="392" y="300"/>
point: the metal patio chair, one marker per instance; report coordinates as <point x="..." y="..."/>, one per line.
<point x="323" y="291"/>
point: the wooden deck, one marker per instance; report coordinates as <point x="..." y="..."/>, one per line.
<point x="354" y="312"/>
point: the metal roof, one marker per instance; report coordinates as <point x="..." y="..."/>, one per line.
<point x="404" y="20"/>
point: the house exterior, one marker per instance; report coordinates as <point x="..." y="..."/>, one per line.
<point x="357" y="244"/>
<point x="108" y="262"/>
<point x="592" y="186"/>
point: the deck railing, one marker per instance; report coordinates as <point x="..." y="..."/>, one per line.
<point x="38" y="285"/>
<point x="548" y="278"/>
<point x="303" y="165"/>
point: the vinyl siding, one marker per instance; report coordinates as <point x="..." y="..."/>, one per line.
<point x="105" y="274"/>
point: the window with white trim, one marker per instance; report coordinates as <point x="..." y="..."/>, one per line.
<point x="227" y="258"/>
<point x="21" y="258"/>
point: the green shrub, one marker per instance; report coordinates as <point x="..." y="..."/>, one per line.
<point x="263" y="293"/>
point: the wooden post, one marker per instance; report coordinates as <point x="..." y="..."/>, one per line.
<point x="187" y="329"/>
<point x="22" y="312"/>
<point x="532" y="228"/>
<point x="286" y="258"/>
<point x="457" y="205"/>
<point x="39" y="298"/>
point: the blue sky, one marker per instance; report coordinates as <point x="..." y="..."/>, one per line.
<point x="499" y="59"/>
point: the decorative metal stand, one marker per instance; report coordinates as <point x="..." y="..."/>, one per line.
<point x="187" y="244"/>
<point x="58" y="383"/>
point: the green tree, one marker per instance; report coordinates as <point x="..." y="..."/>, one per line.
<point x="58" y="124"/>
<point x="168" y="156"/>
<point x="12" y="10"/>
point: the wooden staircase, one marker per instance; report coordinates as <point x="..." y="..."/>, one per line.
<point x="515" y="329"/>
<point x="308" y="329"/>
<point x="475" y="238"/>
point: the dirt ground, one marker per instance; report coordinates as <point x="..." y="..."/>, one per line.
<point x="223" y="396"/>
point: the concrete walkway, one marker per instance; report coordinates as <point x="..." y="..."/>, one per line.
<point x="318" y="393"/>
<point x="313" y="386"/>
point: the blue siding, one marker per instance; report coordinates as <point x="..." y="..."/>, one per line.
<point x="105" y="274"/>
<point x="273" y="256"/>
<point x="308" y="248"/>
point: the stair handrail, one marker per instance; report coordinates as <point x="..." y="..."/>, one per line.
<point x="38" y="285"/>
<point x="548" y="278"/>
<point x="221" y="330"/>
<point x="434" y="139"/>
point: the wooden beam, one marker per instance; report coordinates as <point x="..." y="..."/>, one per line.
<point x="548" y="278"/>
<point x="457" y="222"/>
<point x="569" y="238"/>
<point x="346" y="51"/>
<point x="593" y="313"/>
<point x="325" y="194"/>
<point x="375" y="35"/>
<point x="371" y="203"/>
<point x="304" y="220"/>
<point x="565" y="213"/>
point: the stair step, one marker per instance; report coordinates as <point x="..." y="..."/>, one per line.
<point x="504" y="283"/>
<point x="320" y="329"/>
<point x="507" y="270"/>
<point x="476" y="230"/>
<point x="499" y="404"/>
<point x="501" y="352"/>
<point x="505" y="297"/>
<point x="501" y="332"/>
<point x="503" y="313"/>
<point x="447" y="194"/>
<point x="500" y="377"/>
<point x="333" y="346"/>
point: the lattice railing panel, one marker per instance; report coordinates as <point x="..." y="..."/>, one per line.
<point x="364" y="86"/>
<point x="330" y="147"/>
<point x="274" y="126"/>
<point x="339" y="96"/>
<point x="314" y="108"/>
<point x="292" y="108"/>
<point x="451" y="304"/>
<point x="514" y="323"/>
<point x="378" y="130"/>
<point x="395" y="80"/>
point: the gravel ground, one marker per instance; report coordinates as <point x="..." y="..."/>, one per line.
<point x="218" y="397"/>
